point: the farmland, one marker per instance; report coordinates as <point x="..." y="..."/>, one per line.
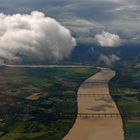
<point x="32" y="99"/>
<point x="127" y="85"/>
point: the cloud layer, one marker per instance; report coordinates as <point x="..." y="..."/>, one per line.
<point x="107" y="39"/>
<point x="33" y="37"/>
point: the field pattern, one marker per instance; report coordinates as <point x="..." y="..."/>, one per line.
<point x="32" y="99"/>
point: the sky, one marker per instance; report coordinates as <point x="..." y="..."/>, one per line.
<point x="86" y="18"/>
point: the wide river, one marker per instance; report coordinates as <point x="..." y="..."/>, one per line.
<point x="94" y="99"/>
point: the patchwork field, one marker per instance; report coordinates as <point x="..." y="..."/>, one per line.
<point x="125" y="89"/>
<point x="33" y="99"/>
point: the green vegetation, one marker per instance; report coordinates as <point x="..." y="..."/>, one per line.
<point x="127" y="85"/>
<point x="25" y="117"/>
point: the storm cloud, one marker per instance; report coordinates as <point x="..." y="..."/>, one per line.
<point x="35" y="37"/>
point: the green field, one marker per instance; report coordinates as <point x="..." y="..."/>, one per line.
<point x="23" y="117"/>
<point x="127" y="85"/>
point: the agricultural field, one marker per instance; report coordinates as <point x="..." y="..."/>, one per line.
<point x="125" y="90"/>
<point x="33" y="99"/>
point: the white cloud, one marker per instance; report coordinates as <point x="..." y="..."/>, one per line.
<point x="107" y="39"/>
<point x="34" y="37"/>
<point x="108" y="60"/>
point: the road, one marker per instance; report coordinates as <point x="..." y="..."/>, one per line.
<point x="98" y="127"/>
